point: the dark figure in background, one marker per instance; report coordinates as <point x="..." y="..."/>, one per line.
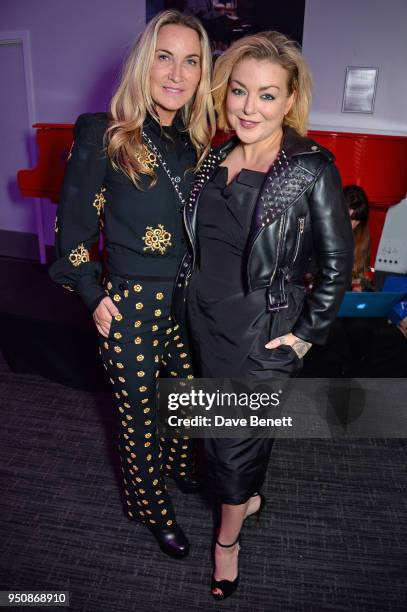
<point x="130" y="173"/>
<point x="360" y="347"/>
<point x="269" y="202"/>
<point x="358" y="203"/>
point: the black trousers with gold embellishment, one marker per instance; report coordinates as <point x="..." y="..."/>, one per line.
<point x="143" y="344"/>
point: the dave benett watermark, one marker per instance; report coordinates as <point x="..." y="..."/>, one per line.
<point x="288" y="408"/>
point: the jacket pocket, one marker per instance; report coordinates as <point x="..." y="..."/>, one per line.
<point x="284" y="320"/>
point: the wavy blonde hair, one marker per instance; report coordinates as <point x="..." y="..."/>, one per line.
<point x="274" y="47"/>
<point x="132" y="100"/>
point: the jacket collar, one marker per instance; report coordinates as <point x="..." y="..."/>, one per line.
<point x="175" y="128"/>
<point x="294" y="144"/>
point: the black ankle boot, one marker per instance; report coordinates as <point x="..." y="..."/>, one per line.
<point x="187" y="484"/>
<point x="171" y="540"/>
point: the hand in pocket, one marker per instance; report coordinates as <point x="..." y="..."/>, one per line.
<point x="301" y="347"/>
<point x="103" y="314"/>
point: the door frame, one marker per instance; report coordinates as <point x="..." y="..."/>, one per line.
<point x="22" y="37"/>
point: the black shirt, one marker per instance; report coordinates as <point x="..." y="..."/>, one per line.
<point x="143" y="227"/>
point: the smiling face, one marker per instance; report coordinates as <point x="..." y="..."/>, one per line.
<point x="176" y="70"/>
<point x="257" y="100"/>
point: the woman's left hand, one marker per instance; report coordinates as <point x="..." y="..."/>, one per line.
<point x="299" y="346"/>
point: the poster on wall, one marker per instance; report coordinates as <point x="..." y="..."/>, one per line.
<point x="228" y="21"/>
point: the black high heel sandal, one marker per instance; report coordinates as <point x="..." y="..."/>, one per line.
<point x="258" y="512"/>
<point x="228" y="587"/>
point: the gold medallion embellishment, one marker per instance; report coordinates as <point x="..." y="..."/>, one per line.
<point x="79" y="255"/>
<point x="157" y="239"/>
<point x="147" y="158"/>
<point x="100" y="201"/>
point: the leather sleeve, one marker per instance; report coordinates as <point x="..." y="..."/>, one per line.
<point x="333" y="247"/>
<point x="79" y="210"/>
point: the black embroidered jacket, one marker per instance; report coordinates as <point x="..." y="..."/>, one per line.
<point x="143" y="228"/>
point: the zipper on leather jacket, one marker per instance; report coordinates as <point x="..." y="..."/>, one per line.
<point x="186" y="226"/>
<point x="279" y="241"/>
<point x="300" y="231"/>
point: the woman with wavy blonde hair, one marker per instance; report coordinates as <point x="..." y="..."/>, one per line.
<point x="129" y="174"/>
<point x="134" y="99"/>
<point x="267" y="209"/>
<point x="273" y="47"/>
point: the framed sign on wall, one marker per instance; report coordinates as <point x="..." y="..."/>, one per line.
<point x="360" y="89"/>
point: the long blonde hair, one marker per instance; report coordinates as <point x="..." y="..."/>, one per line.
<point x="277" y="48"/>
<point x="132" y="100"/>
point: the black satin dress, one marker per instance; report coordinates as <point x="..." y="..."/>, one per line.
<point x="229" y="327"/>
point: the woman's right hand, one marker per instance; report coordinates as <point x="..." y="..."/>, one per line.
<point x="103" y="314"/>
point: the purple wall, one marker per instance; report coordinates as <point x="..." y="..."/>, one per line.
<point x="77" y="48"/>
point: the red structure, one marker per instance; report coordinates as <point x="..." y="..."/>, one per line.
<point x="378" y="163"/>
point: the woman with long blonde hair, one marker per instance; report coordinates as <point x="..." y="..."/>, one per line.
<point x="267" y="208"/>
<point x="130" y="173"/>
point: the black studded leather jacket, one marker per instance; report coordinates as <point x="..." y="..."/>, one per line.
<point x="300" y="225"/>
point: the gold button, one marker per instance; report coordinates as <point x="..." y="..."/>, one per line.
<point x="117" y="297"/>
<point x="137" y="287"/>
<point x="159" y="295"/>
<point x="137" y="340"/>
<point x="117" y="335"/>
<point x="137" y="323"/>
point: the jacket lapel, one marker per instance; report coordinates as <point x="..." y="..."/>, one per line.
<point x="285" y="182"/>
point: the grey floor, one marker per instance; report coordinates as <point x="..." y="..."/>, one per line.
<point x="332" y="537"/>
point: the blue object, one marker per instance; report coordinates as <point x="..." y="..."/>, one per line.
<point x="370" y="303"/>
<point x="398" y="312"/>
<point x="395" y="283"/>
